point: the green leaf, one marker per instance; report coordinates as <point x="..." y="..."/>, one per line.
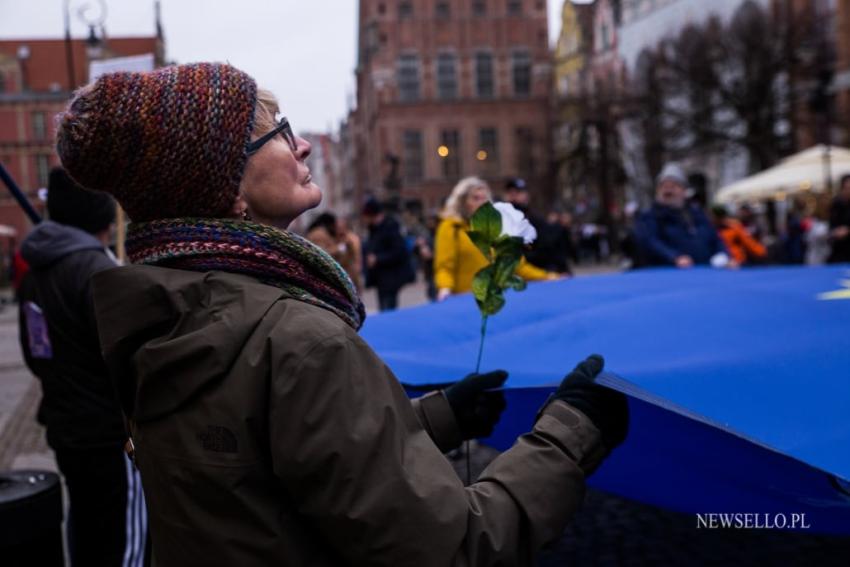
<point x="508" y="245"/>
<point x="488" y="222"/>
<point x="481" y="283"/>
<point x="516" y="283"/>
<point x="480" y="242"/>
<point x="505" y="267"/>
<point x="492" y="304"/>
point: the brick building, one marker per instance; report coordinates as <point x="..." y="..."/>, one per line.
<point x="450" y="89"/>
<point x="35" y="84"/>
<point x="572" y="86"/>
<point x="823" y="63"/>
<point x="325" y="163"/>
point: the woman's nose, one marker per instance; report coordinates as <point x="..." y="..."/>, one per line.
<point x="302" y="148"/>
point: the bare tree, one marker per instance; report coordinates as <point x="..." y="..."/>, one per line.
<point x="719" y="85"/>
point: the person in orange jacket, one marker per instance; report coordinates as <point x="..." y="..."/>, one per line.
<point x="743" y="248"/>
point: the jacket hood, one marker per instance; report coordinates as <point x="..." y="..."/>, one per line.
<point x="168" y="334"/>
<point x="49" y="241"/>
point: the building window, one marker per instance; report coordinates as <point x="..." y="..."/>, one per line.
<point x="526" y="165"/>
<point x="42" y="168"/>
<point x="2" y="83"/>
<point x="484" y="75"/>
<point x="449" y="152"/>
<point x="412" y="164"/>
<point x="443" y="11"/>
<point x="514" y="7"/>
<point x="522" y="73"/>
<point x="405" y="10"/>
<point x="446" y="76"/>
<point x="39" y="125"/>
<point x="488" y="151"/>
<point x="479" y="8"/>
<point x="408" y="78"/>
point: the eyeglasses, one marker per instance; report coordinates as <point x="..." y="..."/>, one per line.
<point x="283" y="128"/>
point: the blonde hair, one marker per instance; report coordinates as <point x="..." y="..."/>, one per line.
<point x="265" y="112"/>
<point x="454" y="204"/>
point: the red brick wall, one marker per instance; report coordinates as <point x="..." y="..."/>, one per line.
<point x="380" y="120"/>
<point x="47" y="64"/>
<point x="19" y="146"/>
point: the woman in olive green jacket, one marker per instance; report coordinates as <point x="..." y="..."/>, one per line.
<point x="266" y="431"/>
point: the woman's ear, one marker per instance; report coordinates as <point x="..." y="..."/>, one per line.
<point x="240" y="207"/>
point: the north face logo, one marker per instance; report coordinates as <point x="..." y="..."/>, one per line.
<point x="218" y="439"/>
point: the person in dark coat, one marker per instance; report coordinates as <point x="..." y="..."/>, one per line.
<point x="675" y="233"/>
<point x="548" y="249"/>
<point x="839" y="224"/>
<point x="388" y="262"/>
<point x="794" y="238"/>
<point x="58" y="334"/>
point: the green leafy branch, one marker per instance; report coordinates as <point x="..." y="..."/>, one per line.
<point x="503" y="254"/>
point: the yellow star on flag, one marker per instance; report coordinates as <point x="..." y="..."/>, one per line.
<point x="838" y="294"/>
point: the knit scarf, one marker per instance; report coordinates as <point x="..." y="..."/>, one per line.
<point x="275" y="257"/>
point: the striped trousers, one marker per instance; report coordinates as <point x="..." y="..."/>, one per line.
<point x="106" y="523"/>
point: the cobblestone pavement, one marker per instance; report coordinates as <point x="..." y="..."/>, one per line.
<point x="22" y="443"/>
<point x="608" y="531"/>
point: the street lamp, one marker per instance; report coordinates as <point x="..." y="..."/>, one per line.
<point x="23" y="56"/>
<point x="69" y="53"/>
<point x="94" y="44"/>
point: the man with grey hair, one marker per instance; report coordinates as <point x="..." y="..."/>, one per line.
<point x="673" y="232"/>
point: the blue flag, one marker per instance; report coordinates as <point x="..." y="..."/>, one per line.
<point x="738" y="381"/>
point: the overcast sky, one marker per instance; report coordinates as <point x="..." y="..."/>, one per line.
<point x="303" y="50"/>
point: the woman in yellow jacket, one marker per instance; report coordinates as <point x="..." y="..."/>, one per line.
<point x="456" y="259"/>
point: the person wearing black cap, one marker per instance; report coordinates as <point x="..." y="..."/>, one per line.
<point x="106" y="520"/>
<point x="549" y="249"/>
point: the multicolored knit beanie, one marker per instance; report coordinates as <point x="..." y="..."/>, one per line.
<point x="165" y="144"/>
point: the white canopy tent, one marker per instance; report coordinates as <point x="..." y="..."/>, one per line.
<point x="805" y="171"/>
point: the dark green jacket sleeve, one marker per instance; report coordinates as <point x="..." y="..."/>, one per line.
<point x="357" y="463"/>
<point x="436" y="416"/>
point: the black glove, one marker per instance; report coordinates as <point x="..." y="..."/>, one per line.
<point x="476" y="410"/>
<point x="606" y="408"/>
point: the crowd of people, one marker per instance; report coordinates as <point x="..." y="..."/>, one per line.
<point x="676" y="230"/>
